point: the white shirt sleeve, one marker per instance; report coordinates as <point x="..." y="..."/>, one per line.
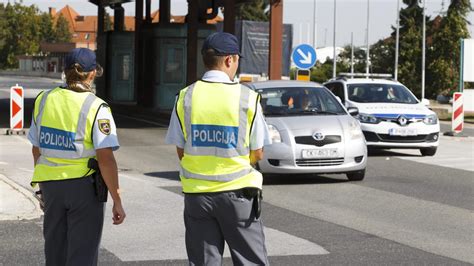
<point x="175" y="133"/>
<point x="33" y="133"/>
<point x="104" y="131"/>
<point x="259" y="136"/>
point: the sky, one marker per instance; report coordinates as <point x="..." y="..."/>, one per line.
<point x="351" y="17"/>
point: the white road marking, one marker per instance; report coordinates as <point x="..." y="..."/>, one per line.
<point x="433" y="227"/>
<point x="22" y="139"/>
<point x="453" y="152"/>
<point x="26" y="170"/>
<point x="154" y="227"/>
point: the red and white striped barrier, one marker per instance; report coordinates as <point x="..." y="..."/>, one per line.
<point x="16" y="107"/>
<point x="458" y="113"/>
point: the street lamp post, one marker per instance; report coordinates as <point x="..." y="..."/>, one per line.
<point x="352" y="52"/>
<point x="367" y="54"/>
<point x="315" y="28"/>
<point x="397" y="41"/>
<point x="334" y="44"/>
<point x="423" y="53"/>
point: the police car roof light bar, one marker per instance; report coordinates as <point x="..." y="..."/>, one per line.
<point x="370" y="75"/>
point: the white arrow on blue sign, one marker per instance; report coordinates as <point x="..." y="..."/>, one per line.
<point x="304" y="56"/>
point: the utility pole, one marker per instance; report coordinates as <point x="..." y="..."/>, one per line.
<point x="315" y="28"/>
<point x="334" y="44"/>
<point x="352" y="52"/>
<point x="423" y="53"/>
<point x="368" y="48"/>
<point x="397" y="41"/>
<point x="301" y="33"/>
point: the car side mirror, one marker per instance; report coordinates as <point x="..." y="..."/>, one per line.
<point x="425" y="102"/>
<point x="353" y="111"/>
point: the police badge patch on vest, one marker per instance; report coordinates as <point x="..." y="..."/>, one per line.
<point x="104" y="126"/>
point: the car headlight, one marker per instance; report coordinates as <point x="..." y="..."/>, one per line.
<point x="430" y="119"/>
<point x="274" y="134"/>
<point x="368" y="118"/>
<point x="354" y="130"/>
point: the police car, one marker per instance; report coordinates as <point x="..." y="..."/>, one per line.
<point x="390" y="115"/>
<point x="311" y="131"/>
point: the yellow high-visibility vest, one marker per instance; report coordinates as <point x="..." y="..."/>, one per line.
<point x="216" y="120"/>
<point x="64" y="120"/>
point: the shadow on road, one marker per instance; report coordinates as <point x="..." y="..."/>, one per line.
<point x="292" y="179"/>
<point x="132" y="120"/>
<point x="270" y="179"/>
<point x="385" y="153"/>
<point x="171" y="175"/>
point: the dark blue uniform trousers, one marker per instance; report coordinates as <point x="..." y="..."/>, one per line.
<point x="73" y="221"/>
<point x="211" y="219"/>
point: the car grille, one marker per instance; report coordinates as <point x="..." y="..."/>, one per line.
<point x="320" y="162"/>
<point x="309" y="140"/>
<point x="373" y="137"/>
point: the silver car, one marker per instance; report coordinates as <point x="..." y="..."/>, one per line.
<point x="311" y="131"/>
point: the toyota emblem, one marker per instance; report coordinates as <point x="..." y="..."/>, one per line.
<point x="402" y="120"/>
<point x="318" y="136"/>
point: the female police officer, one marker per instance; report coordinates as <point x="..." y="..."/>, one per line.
<point x="70" y="126"/>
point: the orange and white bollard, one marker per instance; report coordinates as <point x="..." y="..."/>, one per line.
<point x="458" y="113"/>
<point x="16" y="110"/>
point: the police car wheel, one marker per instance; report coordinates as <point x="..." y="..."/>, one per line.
<point x="356" y="176"/>
<point x="428" y="151"/>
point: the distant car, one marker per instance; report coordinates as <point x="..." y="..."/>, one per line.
<point x="311" y="131"/>
<point x="390" y="115"/>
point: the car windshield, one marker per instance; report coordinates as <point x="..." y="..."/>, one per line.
<point x="380" y="93"/>
<point x="299" y="101"/>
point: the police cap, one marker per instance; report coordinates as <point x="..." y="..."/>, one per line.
<point x="82" y="56"/>
<point x="222" y="43"/>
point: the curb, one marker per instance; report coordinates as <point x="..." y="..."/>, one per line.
<point x="36" y="213"/>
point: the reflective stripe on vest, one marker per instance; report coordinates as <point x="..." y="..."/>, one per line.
<point x="75" y="148"/>
<point x="45" y="161"/>
<point x="220" y="178"/>
<point x="239" y="150"/>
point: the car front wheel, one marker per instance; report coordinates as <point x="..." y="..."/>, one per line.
<point x="356" y="176"/>
<point x="428" y="151"/>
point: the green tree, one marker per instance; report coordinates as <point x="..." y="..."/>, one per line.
<point x="47" y="29"/>
<point x="359" y="59"/>
<point x="256" y="10"/>
<point x="62" y="33"/>
<point x="409" y="68"/>
<point x="20" y="33"/>
<point x="444" y="51"/>
<point x="3" y="25"/>
<point x="322" y="72"/>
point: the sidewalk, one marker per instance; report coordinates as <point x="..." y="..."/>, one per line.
<point x="17" y="203"/>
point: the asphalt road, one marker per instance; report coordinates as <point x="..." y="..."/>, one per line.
<point x="409" y="210"/>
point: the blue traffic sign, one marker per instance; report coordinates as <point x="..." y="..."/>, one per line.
<point x="304" y="56"/>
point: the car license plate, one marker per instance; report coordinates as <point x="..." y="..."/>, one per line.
<point x="402" y="132"/>
<point x="319" y="153"/>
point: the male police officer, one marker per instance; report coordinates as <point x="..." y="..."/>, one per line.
<point x="219" y="130"/>
<point x="70" y="126"/>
